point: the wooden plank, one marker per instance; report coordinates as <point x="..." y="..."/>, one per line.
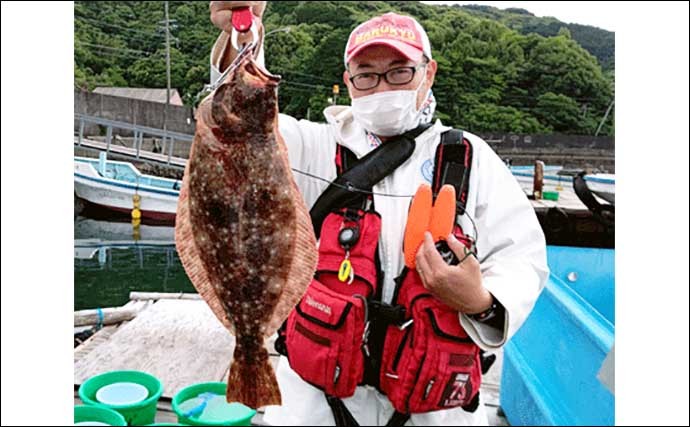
<point x="179" y="342"/>
<point x="93" y="342"/>
<point x="166" y="417"/>
<point x="102" y="335"/>
<point x="111" y="315"/>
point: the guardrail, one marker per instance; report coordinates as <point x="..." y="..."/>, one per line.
<point x="139" y="132"/>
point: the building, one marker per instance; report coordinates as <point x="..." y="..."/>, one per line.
<point x="144" y="94"/>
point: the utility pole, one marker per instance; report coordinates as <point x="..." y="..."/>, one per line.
<point x="608" y="110"/>
<point x="167" y="72"/>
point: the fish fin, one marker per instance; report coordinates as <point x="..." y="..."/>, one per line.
<point x="190" y="255"/>
<point x="253" y="383"/>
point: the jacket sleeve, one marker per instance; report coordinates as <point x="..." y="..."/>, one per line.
<point x="511" y="249"/>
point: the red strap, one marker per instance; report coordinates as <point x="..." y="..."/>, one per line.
<point x="339" y="159"/>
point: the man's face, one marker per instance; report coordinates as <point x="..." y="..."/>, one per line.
<point x="379" y="59"/>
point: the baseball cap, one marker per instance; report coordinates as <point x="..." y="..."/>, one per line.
<point x="402" y="33"/>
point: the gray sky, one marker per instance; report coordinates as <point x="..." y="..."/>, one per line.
<point x="599" y="14"/>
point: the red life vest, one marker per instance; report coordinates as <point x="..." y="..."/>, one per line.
<point x="341" y="335"/>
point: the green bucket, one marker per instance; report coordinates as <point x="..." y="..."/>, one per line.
<point x="139" y="413"/>
<point x="234" y="414"/>
<point x="85" y="414"/>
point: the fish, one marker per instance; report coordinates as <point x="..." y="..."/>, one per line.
<point x="243" y="231"/>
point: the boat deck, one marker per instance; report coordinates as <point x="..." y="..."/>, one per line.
<point x="176" y="338"/>
<point x="567" y="200"/>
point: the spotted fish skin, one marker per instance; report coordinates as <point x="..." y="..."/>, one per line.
<point x="244" y="225"/>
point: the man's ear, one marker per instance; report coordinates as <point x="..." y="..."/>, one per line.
<point x="431" y="72"/>
<point x="346" y="80"/>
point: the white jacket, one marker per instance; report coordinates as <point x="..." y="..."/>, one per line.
<point x="510" y="246"/>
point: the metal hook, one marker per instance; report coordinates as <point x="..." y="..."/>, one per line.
<point x="246" y="50"/>
<point x="234" y="35"/>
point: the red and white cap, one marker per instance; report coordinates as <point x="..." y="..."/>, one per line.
<point x="402" y="33"/>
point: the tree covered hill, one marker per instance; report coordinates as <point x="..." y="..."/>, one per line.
<point x="499" y="71"/>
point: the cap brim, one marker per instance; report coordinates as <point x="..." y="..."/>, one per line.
<point x="411" y="53"/>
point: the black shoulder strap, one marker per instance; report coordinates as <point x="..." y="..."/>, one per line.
<point x="452" y="165"/>
<point x="398" y="419"/>
<point x="342" y="416"/>
<point x="364" y="174"/>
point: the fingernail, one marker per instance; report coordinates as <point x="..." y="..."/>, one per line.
<point x="451" y="238"/>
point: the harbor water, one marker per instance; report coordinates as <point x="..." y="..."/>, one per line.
<point x="111" y="259"/>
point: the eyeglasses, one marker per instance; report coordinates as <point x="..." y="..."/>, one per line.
<point x="397" y="77"/>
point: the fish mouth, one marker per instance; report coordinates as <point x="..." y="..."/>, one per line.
<point x="258" y="75"/>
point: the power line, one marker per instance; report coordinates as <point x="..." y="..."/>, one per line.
<point x="123" y="55"/>
<point x="120" y="49"/>
<point x="301" y="74"/>
<point x="149" y="33"/>
<point x="295" y="89"/>
<point x="307" y="85"/>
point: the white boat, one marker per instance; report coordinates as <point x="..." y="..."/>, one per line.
<point x="556" y="178"/>
<point x="112" y="185"/>
<point x="603" y="185"/>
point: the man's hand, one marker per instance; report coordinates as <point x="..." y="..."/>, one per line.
<point x="221" y="16"/>
<point x="458" y="286"/>
<point x="221" y="12"/>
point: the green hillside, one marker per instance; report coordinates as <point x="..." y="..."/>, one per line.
<point x="499" y="71"/>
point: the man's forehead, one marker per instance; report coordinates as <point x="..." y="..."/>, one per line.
<point x="379" y="56"/>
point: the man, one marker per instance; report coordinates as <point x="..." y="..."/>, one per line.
<point x="389" y="73"/>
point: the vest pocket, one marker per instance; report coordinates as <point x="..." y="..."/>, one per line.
<point x="325" y="338"/>
<point x="429" y="363"/>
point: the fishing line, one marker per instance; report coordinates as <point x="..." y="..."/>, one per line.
<point x="354" y="189"/>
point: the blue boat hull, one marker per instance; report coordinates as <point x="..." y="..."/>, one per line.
<point x="550" y="366"/>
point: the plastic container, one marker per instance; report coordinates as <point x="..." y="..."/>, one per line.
<point x="234" y="414"/>
<point x="137" y="413"/>
<point x="550" y="195"/>
<point x="91" y="415"/>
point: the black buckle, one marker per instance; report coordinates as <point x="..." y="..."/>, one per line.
<point x="389" y="314"/>
<point x="352" y="215"/>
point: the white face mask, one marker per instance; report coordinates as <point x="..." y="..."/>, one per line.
<point x="388" y="113"/>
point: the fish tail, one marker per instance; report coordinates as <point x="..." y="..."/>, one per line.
<point x="252" y="380"/>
